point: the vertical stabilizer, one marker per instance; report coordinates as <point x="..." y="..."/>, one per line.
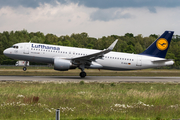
<point x="160" y="46"/>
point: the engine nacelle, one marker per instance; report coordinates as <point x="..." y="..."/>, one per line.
<point x="61" y="64"/>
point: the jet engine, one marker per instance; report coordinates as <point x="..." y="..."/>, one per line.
<point x="62" y="65"/>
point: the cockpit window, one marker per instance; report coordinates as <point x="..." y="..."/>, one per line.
<point x="16" y="47"/>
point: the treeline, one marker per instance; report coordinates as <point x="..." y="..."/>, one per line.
<point x="127" y="43"/>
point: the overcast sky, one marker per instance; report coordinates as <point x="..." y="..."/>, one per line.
<point x="96" y="17"/>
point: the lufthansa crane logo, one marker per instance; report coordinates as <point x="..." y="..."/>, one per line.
<point x="162" y="44"/>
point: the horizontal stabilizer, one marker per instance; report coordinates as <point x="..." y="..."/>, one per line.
<point x="165" y="60"/>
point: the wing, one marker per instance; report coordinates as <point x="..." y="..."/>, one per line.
<point x="92" y="57"/>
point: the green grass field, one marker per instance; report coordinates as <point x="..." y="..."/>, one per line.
<point x="86" y="101"/>
<point x="45" y="71"/>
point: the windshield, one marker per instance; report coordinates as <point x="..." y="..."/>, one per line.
<point x="16" y="47"/>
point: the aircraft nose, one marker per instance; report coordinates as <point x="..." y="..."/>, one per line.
<point x="5" y="52"/>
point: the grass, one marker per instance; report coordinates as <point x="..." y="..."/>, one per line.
<point x="43" y="71"/>
<point x="84" y="101"/>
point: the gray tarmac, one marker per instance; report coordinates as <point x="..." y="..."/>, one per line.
<point x="88" y="79"/>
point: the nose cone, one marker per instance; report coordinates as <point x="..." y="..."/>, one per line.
<point x="6" y="52"/>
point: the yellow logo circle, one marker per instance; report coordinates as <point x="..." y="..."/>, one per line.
<point x="162" y="44"/>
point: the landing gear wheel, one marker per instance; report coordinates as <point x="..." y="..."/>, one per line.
<point x="24" y="68"/>
<point x="82" y="74"/>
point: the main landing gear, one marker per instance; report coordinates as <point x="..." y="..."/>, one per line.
<point x="82" y="74"/>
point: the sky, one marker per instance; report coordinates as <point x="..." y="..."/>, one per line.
<point x="98" y="18"/>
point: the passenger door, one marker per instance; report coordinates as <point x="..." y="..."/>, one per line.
<point x="26" y="48"/>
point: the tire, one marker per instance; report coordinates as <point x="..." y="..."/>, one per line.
<point x="24" y="68"/>
<point x="82" y="74"/>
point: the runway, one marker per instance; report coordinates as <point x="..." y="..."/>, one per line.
<point x="88" y="79"/>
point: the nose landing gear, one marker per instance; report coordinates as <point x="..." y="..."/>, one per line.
<point x="24" y="68"/>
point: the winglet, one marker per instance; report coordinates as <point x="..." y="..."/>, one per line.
<point x="111" y="47"/>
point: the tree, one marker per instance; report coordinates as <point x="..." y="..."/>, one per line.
<point x="127" y="43"/>
<point x="138" y="48"/>
<point x="154" y="36"/>
<point x="36" y="39"/>
<point x="129" y="35"/>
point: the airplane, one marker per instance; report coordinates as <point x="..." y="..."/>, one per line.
<point x="65" y="58"/>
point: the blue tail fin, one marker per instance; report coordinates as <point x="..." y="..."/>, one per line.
<point x="160" y="46"/>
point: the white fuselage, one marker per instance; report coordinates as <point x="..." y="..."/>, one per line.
<point x="112" y="61"/>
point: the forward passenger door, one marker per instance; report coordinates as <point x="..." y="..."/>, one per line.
<point x="26" y="48"/>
